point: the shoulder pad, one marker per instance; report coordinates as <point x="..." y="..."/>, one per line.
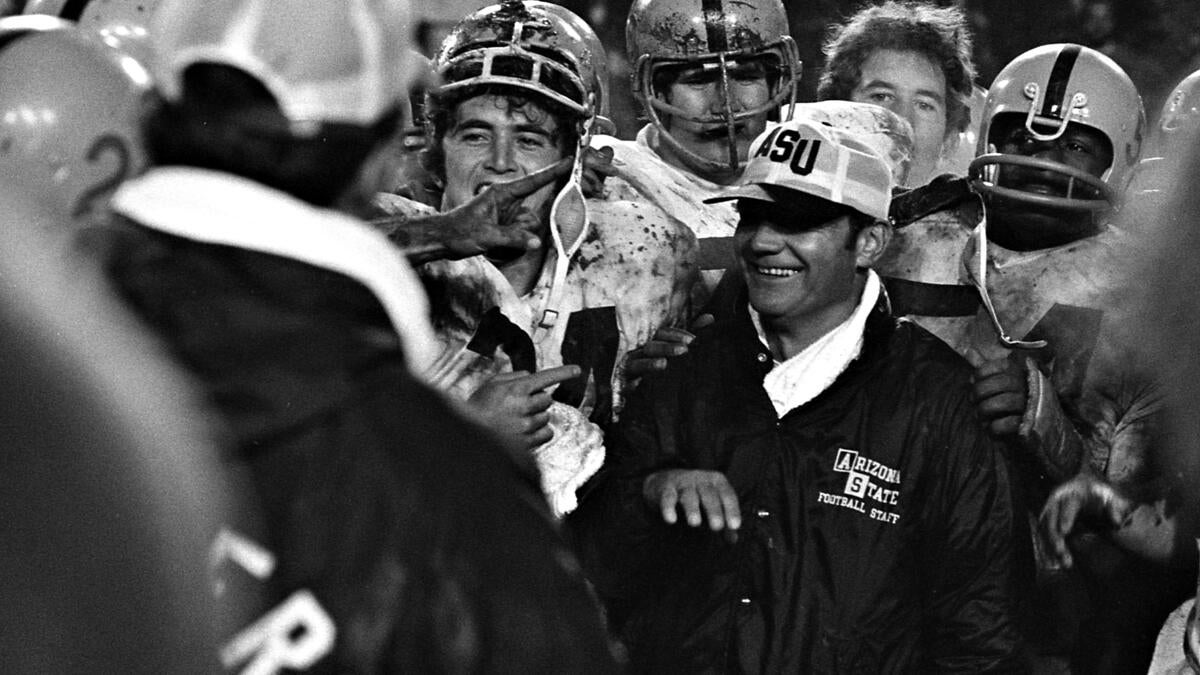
<point x="944" y="192"/>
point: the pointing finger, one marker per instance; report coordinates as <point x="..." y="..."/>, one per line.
<point x="527" y="185"/>
<point x="551" y="376"/>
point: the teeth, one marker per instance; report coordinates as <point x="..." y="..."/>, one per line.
<point x="777" y="271"/>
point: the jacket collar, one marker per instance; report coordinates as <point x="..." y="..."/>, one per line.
<point x="220" y="208"/>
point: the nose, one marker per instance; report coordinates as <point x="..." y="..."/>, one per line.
<point x="763" y="238"/>
<point x="904" y="108"/>
<point x="500" y="158"/>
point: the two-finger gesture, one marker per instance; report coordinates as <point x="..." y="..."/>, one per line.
<point x="497" y="218"/>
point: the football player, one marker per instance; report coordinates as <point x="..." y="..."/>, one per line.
<point x="517" y="96"/>
<point x="1035" y="292"/>
<point x="709" y="76"/>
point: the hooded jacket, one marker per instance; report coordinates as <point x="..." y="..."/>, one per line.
<point x="878" y="522"/>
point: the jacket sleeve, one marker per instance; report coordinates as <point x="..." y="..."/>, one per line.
<point x="975" y="551"/>
<point x="1045" y="429"/>
<point x="619" y="538"/>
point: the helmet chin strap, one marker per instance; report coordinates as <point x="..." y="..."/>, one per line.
<point x="979" y="279"/>
<point x="568" y="223"/>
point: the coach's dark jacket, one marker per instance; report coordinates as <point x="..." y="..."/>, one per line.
<point x="430" y="547"/>
<point x="878" y="525"/>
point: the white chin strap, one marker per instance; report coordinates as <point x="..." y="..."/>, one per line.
<point x="568" y="227"/>
<point x="979" y="279"/>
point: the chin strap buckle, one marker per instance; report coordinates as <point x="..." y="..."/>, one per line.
<point x="549" y="318"/>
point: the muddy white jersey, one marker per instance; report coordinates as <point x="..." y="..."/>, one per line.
<point x="641" y="174"/>
<point x="1074" y="297"/>
<point x="632" y="275"/>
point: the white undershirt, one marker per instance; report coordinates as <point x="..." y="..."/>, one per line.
<point x="804" y="376"/>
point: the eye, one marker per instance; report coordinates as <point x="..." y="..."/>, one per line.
<point x="1020" y="137"/>
<point x="880" y="97"/>
<point x="472" y="137"/>
<point x="1077" y="147"/>
<point x="927" y="106"/>
<point x="532" y="141"/>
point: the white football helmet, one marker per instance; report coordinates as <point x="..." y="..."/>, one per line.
<point x="1050" y="87"/>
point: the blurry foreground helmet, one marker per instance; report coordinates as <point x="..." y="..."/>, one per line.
<point x="1174" y="137"/>
<point x="121" y="24"/>
<point x="113" y="488"/>
<point x="69" y="110"/>
<point x="357" y="75"/>
<point x="535" y="46"/>
<point x="1046" y="89"/>
<point x="710" y="33"/>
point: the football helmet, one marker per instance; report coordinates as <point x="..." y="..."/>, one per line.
<point x="121" y="24"/>
<point x="1170" y="141"/>
<point x="69" y="111"/>
<point x="599" y="64"/>
<point x="673" y="33"/>
<point x="533" y="46"/>
<point x="1050" y="87"/>
<point x="361" y="73"/>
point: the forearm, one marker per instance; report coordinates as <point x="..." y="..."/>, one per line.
<point x="422" y="238"/>
<point x="1046" y="431"/>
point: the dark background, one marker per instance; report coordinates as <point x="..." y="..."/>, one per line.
<point x="1156" y="41"/>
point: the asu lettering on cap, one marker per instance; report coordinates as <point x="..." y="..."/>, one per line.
<point x="786" y="146"/>
<point x="811" y="155"/>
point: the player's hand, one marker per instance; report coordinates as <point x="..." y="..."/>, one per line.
<point x="517" y="404"/>
<point x="1081" y="500"/>
<point x="496" y="218"/>
<point x="701" y="495"/>
<point x="1001" y="391"/>
<point x="667" y="342"/>
<point x="597" y="166"/>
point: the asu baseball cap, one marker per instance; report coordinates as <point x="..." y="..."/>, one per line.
<point x="810" y="154"/>
<point x="344" y="61"/>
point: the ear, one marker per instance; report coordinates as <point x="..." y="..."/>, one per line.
<point x="872" y="241"/>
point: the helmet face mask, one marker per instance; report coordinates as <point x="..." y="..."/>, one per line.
<point x="1045" y="94"/>
<point x="661" y="36"/>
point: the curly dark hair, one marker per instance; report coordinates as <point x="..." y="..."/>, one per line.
<point x="939" y="33"/>
<point x="440" y="113"/>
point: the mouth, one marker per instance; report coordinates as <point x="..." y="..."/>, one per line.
<point x="1052" y="190"/>
<point x="774" y="272"/>
<point x="721" y="132"/>
<point x="481" y="187"/>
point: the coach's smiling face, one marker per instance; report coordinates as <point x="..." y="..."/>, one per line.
<point x="805" y="265"/>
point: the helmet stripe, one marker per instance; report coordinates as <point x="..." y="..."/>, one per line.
<point x="1056" y="88"/>
<point x="714" y="25"/>
<point x="73" y="9"/>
